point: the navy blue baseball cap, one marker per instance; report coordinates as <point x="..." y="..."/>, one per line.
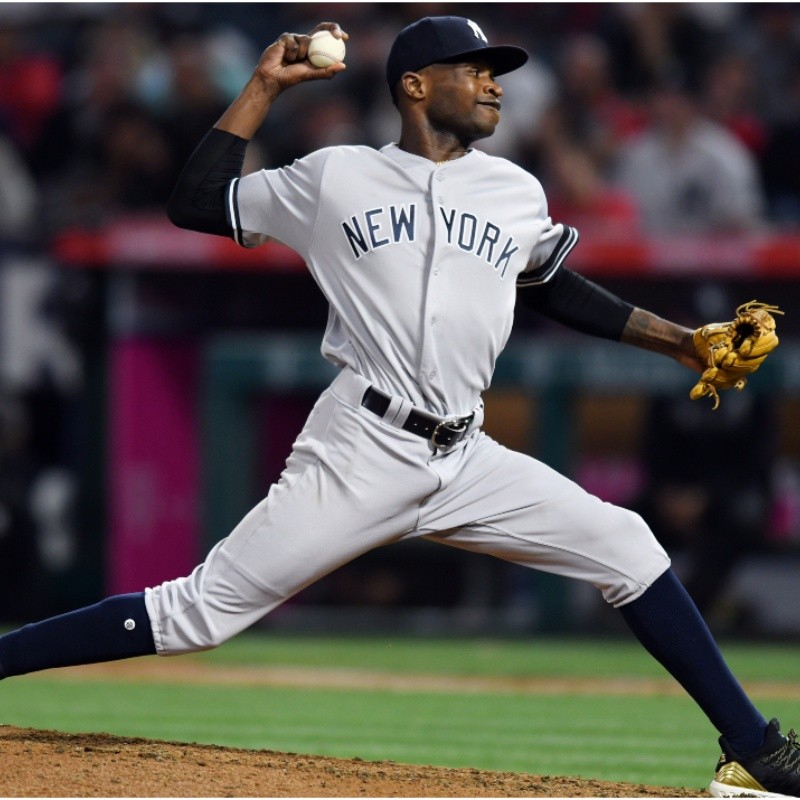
<point x="435" y="40"/>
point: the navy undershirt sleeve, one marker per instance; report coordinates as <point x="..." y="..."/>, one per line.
<point x="198" y="200"/>
<point x="580" y="304"/>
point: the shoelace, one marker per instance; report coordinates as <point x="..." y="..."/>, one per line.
<point x="787" y="757"/>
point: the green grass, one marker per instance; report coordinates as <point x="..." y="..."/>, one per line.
<point x="523" y="657"/>
<point x="657" y="740"/>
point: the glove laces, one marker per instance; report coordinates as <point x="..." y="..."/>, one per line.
<point x="756" y="305"/>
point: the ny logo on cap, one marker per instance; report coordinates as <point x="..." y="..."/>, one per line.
<point x="476" y="29"/>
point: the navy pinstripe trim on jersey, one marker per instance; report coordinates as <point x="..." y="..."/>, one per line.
<point x="569" y="238"/>
<point x="232" y="211"/>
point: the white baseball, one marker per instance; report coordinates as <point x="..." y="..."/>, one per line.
<point x="325" y="49"/>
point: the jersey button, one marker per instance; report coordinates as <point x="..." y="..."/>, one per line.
<point x="440" y="176"/>
<point x="436" y="272"/>
<point x="432" y="375"/>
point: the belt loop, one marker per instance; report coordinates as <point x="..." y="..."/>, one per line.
<point x="477" y="420"/>
<point x="404" y="408"/>
<point x="395" y="407"/>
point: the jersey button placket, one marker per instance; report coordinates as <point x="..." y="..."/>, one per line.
<point x="428" y="362"/>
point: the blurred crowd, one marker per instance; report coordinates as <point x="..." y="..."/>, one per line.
<point x="638" y="118"/>
<point x="641" y="116"/>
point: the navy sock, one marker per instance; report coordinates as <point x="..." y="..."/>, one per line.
<point x="668" y="624"/>
<point x="115" y="628"/>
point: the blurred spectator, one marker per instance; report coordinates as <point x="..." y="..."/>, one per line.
<point x="367" y="82"/>
<point x="30" y="84"/>
<point x="593" y="112"/>
<point x="648" y="40"/>
<point x="135" y="167"/>
<point x="189" y="82"/>
<point x="66" y="156"/>
<point x="19" y="194"/>
<point x="580" y="196"/>
<point x="772" y="42"/>
<point x="688" y="173"/>
<point x="103" y="77"/>
<point x="180" y="88"/>
<point x="130" y="168"/>
<point x="729" y="95"/>
<point x="781" y="160"/>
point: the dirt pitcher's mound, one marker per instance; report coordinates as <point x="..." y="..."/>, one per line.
<point x="51" y="764"/>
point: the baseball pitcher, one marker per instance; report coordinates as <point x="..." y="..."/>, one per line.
<point x="422" y="249"/>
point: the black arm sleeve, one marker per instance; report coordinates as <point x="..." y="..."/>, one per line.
<point x="198" y="200"/>
<point x="578" y="303"/>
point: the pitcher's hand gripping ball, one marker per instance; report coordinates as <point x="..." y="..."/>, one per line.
<point x="325" y="49"/>
<point x="732" y="350"/>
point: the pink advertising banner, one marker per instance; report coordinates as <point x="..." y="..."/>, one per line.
<point x="154" y="462"/>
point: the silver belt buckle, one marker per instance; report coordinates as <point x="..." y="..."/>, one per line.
<point x="452" y="424"/>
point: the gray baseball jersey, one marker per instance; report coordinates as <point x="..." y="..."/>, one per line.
<point x="419" y="262"/>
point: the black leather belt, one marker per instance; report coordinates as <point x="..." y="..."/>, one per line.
<point x="439" y="432"/>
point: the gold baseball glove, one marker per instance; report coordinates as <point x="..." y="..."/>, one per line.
<point x="732" y="350"/>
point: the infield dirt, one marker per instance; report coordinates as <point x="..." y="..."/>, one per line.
<point x="51" y="764"/>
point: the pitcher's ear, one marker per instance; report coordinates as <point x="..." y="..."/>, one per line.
<point x="412" y="84"/>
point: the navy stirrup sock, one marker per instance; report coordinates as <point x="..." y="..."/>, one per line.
<point x="115" y="628"/>
<point x="668" y="624"/>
